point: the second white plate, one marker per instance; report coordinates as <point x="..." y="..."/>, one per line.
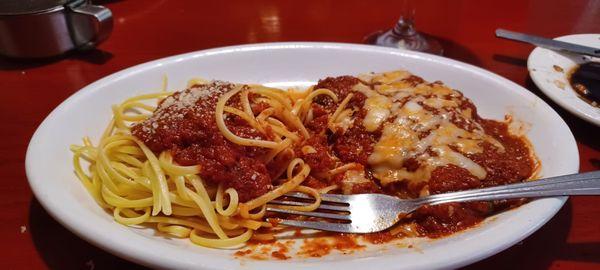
<point x="549" y="70"/>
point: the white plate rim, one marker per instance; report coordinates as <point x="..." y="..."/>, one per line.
<point x="576" y="107"/>
<point x="142" y="256"/>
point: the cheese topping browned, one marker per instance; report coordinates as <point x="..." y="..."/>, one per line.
<point x="420" y="121"/>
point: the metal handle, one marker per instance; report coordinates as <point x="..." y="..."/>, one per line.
<point x="90" y="24"/>
<point x="574" y="184"/>
<point x="548" y="43"/>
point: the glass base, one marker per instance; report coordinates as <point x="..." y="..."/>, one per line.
<point x="414" y="42"/>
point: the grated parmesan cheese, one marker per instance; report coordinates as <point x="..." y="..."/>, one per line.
<point x="175" y="106"/>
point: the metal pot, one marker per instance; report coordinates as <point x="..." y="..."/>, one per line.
<point x="44" y="28"/>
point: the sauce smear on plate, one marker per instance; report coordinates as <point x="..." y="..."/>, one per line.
<point x="585" y="80"/>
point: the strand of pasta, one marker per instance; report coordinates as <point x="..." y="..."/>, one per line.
<point x="196" y="224"/>
<point x="273" y="93"/>
<point x="276" y="151"/>
<point x="118" y="111"/>
<point x="233" y="201"/>
<point x="248" y="110"/>
<point x="107" y="182"/>
<point x="202" y="199"/>
<point x="118" y="201"/>
<point x="265" y="114"/>
<point x="220" y="107"/>
<point x="309" y="116"/>
<point x="307" y="208"/>
<point x="285" y="111"/>
<point x="196" y="81"/>
<point x="291" y="184"/>
<point x="166" y="163"/>
<point x="105" y="146"/>
<point x="255" y="216"/>
<point x="253" y="123"/>
<point x="131" y="219"/>
<point x="231" y="242"/>
<point x="87" y="181"/>
<point x="282" y="131"/>
<point x="296" y="122"/>
<point x="328" y="189"/>
<point x="339" y="109"/>
<point x="174" y="230"/>
<point x="301" y="108"/>
<point x="158" y="178"/>
<point x="344" y="168"/>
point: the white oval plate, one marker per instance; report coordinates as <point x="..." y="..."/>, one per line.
<point x="555" y="84"/>
<point x="50" y="173"/>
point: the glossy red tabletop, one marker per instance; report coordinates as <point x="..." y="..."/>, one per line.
<point x="147" y="30"/>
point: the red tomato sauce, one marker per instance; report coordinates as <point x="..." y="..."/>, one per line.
<point x="194" y="139"/>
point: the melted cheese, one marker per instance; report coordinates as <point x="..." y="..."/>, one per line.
<point x="352" y="178"/>
<point x="378" y="110"/>
<point x="423" y="128"/>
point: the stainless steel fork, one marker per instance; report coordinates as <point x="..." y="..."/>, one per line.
<point x="367" y="213"/>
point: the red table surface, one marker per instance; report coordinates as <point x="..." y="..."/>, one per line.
<point x="147" y="30"/>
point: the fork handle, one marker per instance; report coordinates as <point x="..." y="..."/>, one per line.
<point x="573" y="184"/>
